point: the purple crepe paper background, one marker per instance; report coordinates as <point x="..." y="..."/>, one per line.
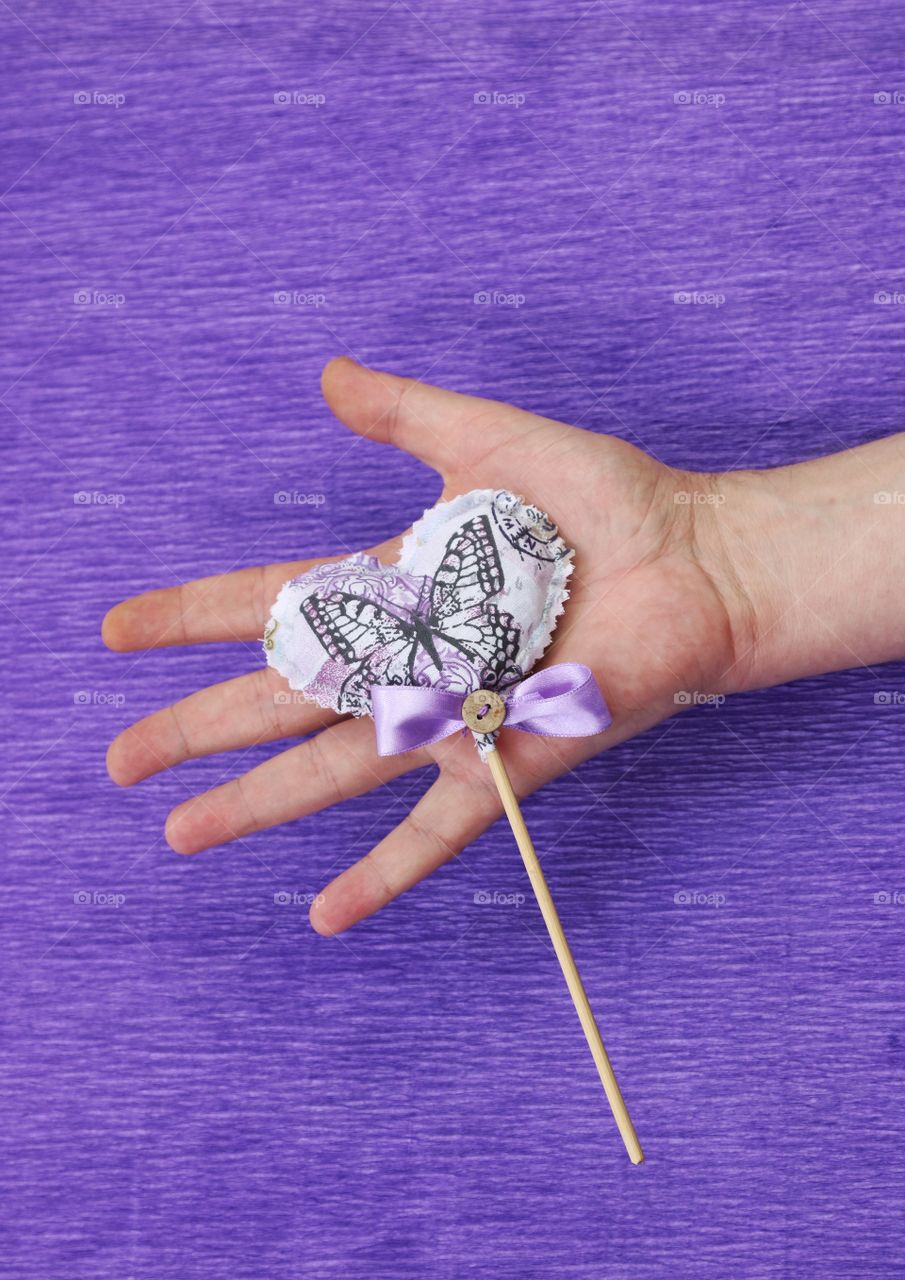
<point x="194" y="1084"/>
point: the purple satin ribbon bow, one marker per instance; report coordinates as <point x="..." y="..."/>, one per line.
<point x="559" y="702"/>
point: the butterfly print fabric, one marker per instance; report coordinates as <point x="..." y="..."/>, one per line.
<point x="471" y="604"/>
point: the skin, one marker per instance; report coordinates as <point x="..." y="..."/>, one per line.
<point x="684" y="583"/>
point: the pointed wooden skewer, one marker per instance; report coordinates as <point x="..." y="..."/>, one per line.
<point x="474" y="712"/>
<point x="564" y="956"/>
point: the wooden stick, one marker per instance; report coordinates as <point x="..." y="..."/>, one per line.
<point x="564" y="955"/>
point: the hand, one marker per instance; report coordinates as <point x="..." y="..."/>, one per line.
<point x="646" y="614"/>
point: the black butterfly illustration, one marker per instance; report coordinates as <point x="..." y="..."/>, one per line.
<point x="384" y="641"/>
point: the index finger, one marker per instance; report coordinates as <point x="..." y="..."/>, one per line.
<point x="227" y="606"/>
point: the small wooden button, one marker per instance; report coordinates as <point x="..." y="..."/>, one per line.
<point x="483" y="711"/>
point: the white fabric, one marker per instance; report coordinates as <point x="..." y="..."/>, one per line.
<point x="472" y="603"/>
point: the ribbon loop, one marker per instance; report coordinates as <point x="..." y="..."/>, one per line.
<point x="563" y="701"/>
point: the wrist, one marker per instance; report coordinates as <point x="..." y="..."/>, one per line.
<point x="748" y="527"/>
<point x="808" y="559"/>
<point x="722" y="541"/>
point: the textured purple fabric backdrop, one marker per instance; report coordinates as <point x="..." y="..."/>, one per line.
<point x="194" y="1085"/>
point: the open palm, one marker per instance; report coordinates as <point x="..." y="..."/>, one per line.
<point x="644" y="614"/>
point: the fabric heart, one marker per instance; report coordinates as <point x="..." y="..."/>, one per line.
<point x="472" y="603"/>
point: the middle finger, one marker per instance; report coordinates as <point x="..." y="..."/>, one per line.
<point x="334" y="765"/>
<point x="258" y="707"/>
